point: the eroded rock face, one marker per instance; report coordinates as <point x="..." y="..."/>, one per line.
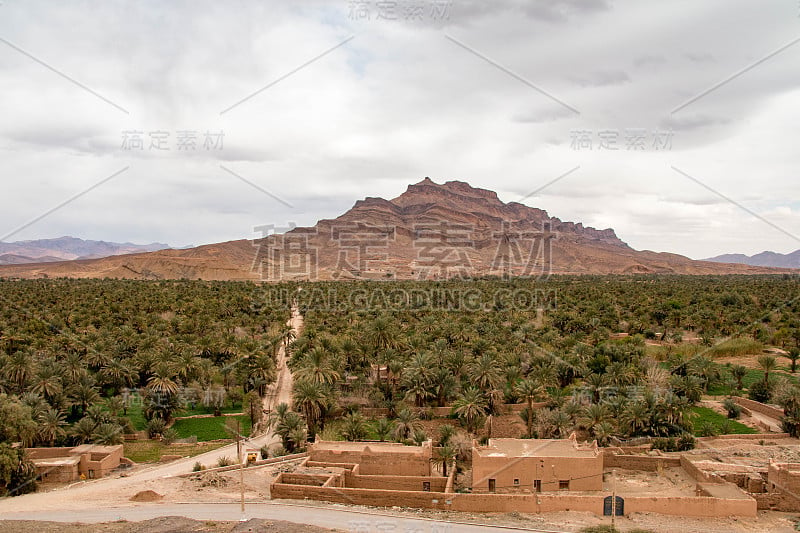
<point x="431" y="231"/>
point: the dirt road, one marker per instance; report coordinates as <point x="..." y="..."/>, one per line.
<point x="340" y="519"/>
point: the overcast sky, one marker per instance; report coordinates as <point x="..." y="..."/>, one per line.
<point x="354" y="99"/>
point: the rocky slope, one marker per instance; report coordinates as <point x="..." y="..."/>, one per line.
<point x="431" y="231"/>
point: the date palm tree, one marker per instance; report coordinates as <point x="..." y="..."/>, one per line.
<point x="51" y="426"/>
<point x="470" y="407"/>
<point x="407" y="424"/>
<point x="767" y="364"/>
<point x="529" y="389"/>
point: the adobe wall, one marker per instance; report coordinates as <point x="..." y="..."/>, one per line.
<point x="764" y="409"/>
<point x="647" y="463"/>
<point x="747" y="436"/>
<point x="785" y="476"/>
<point x="525" y="503"/>
<point x="47" y="453"/>
<point x="777" y="501"/>
<point x="699" y="506"/>
<point x="415" y="462"/>
<point x="410" y="483"/>
<point x="697" y="474"/>
<point x="60" y="474"/>
<point x="583" y="473"/>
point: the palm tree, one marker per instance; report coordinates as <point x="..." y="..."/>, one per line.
<point x="594" y="414"/>
<point x="603" y="432"/>
<point x="261" y="371"/>
<point x="444" y="455"/>
<point x="635" y="417"/>
<point x="354" y="427"/>
<point x="406" y="424"/>
<point x="529" y="389"/>
<point x="108" y="434"/>
<point x="83" y="430"/>
<point x="739" y="372"/>
<point x="446" y="433"/>
<point x="277" y="416"/>
<point x="470" y="408"/>
<point x="18" y="368"/>
<point x="51" y="424"/>
<point x="47" y="381"/>
<point x="383" y="429"/>
<point x="163" y="380"/>
<point x="84" y="394"/>
<point x="767" y="364"/>
<point x="485" y="373"/>
<point x="291" y="430"/>
<point x="118" y="374"/>
<point x="311" y="400"/>
<point x="316" y="368"/>
<point x="381" y="335"/>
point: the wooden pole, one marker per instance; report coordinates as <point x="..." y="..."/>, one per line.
<point x="241" y="464"/>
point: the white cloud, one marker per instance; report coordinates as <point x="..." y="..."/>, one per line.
<point x="394" y="104"/>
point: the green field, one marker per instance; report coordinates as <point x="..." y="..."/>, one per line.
<point x="703" y="416"/>
<point x="150" y="451"/>
<point x="211" y="428"/>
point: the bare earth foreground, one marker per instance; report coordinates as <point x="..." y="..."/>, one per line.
<point x="169" y="524"/>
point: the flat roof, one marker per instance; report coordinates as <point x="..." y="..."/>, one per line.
<point x="536" y="448"/>
<point x="388" y="447"/>
<point x="56" y="461"/>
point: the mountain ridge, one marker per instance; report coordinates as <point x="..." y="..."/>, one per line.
<point x="431" y="231"/>
<point x="764" y="259"/>
<point x="68" y="248"/>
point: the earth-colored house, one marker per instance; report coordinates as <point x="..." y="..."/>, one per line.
<point x="536" y="465"/>
<point x="62" y="465"/>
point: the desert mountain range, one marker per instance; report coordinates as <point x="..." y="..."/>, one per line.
<point x="766" y="259"/>
<point x="67" y="248"/>
<point x="431" y="231"/>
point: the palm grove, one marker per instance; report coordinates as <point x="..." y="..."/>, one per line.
<point x="71" y="348"/>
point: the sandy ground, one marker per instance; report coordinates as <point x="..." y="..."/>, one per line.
<point x="169" y="524"/>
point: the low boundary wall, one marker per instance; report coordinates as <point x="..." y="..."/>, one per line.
<point x="699" y="506"/>
<point x="758" y="407"/>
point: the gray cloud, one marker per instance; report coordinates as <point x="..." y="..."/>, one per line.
<point x="396" y="103"/>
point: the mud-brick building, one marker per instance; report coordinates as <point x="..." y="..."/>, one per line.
<point x="62" y="465"/>
<point x="536" y="465"/>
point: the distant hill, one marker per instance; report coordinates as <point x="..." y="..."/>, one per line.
<point x="764" y="259"/>
<point x="66" y="249"/>
<point x="427" y="232"/>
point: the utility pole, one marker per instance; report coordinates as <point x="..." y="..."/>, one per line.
<point x="241" y="465"/>
<point x="613" y="496"/>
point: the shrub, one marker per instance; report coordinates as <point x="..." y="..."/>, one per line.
<point x="224" y="461"/>
<point x="665" y="444"/>
<point x="168" y="436"/>
<point x="707" y="429"/>
<point x="155" y="427"/>
<point x="198" y="467"/>
<point x="600" y="529"/>
<point x="734" y="410"/>
<point x="265" y="452"/>
<point x="685" y="442"/>
<point x="760" y="391"/>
